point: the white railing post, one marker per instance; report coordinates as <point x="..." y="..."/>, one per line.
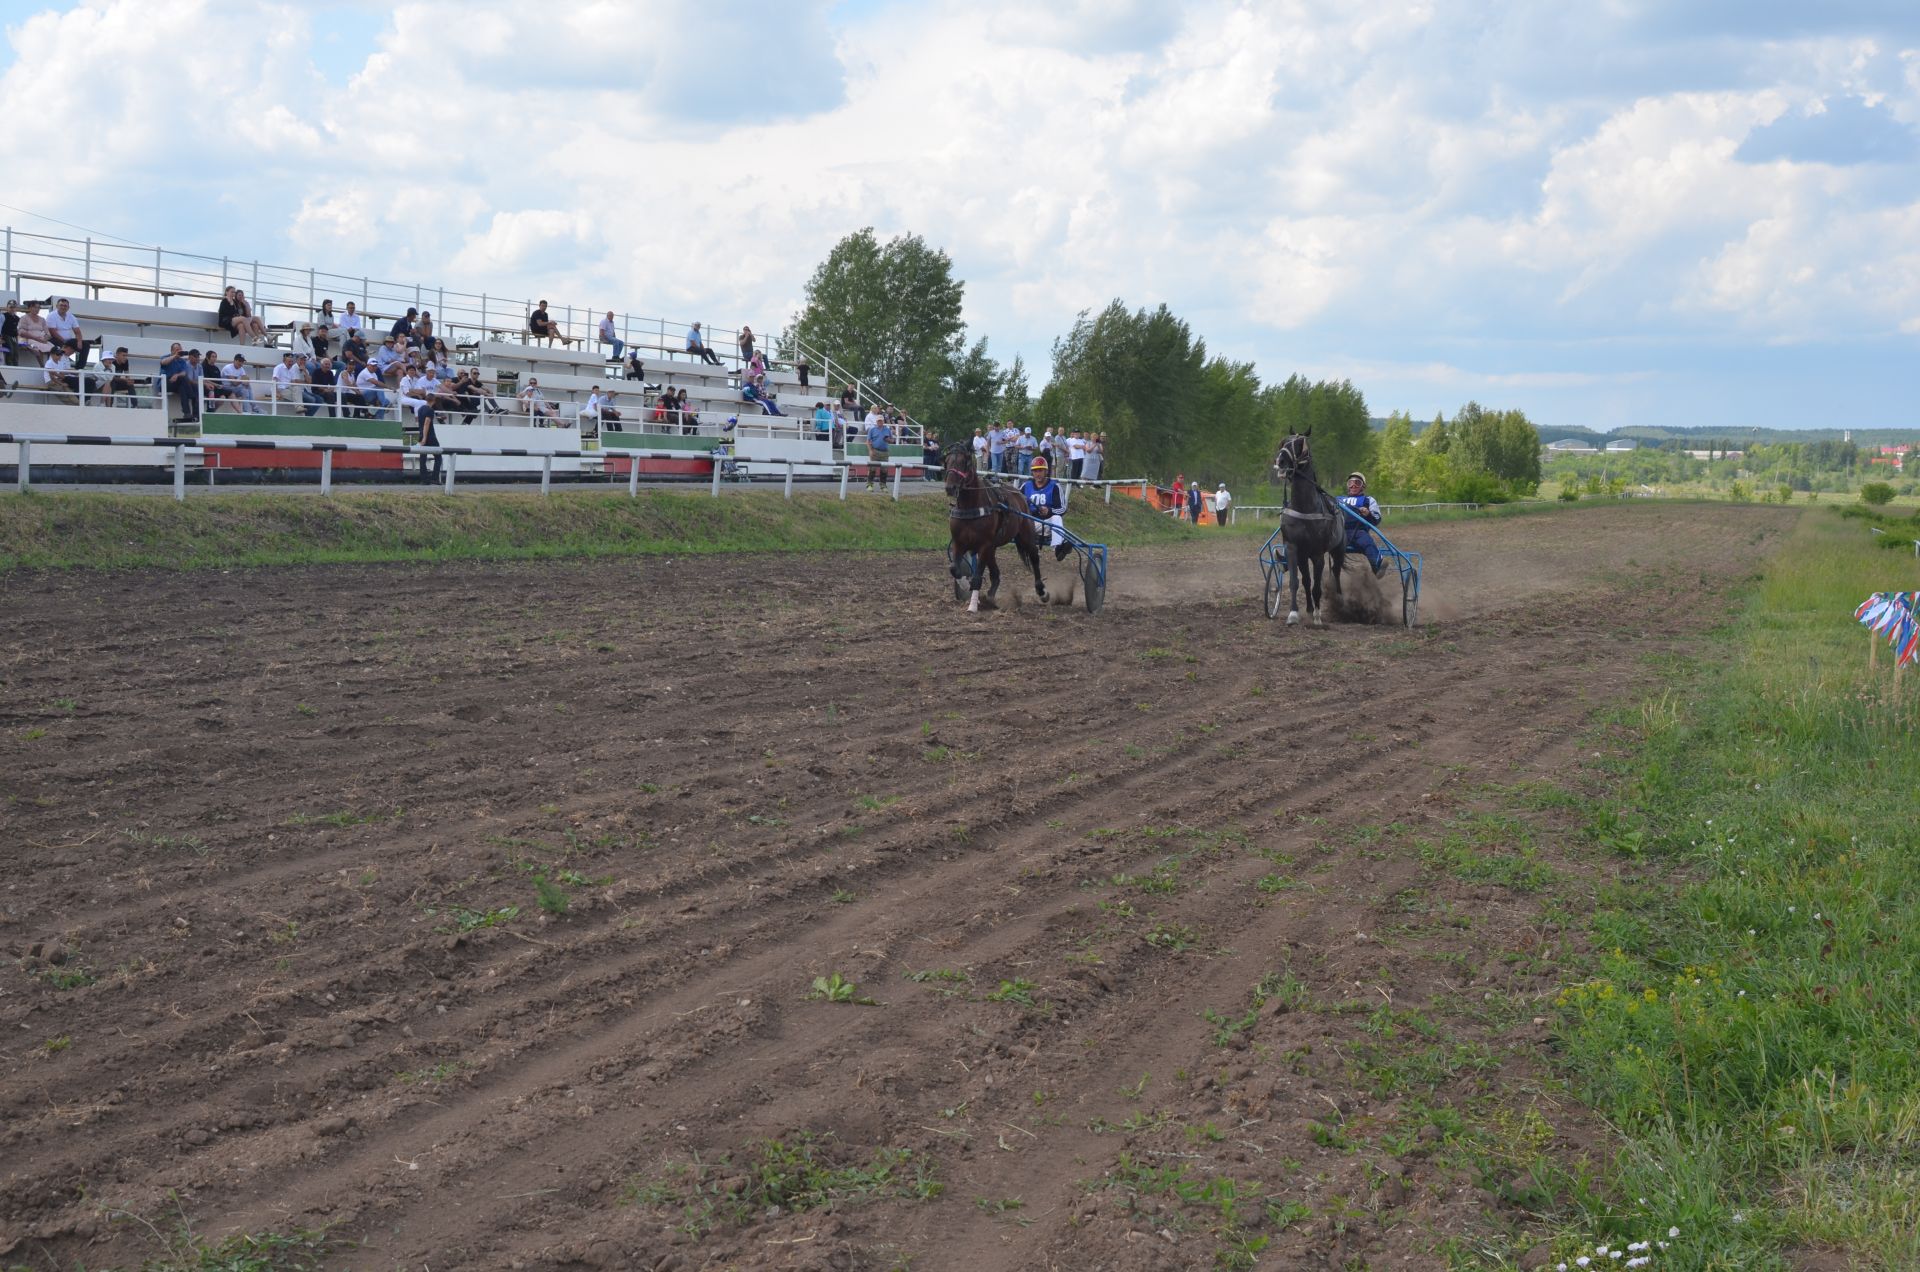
<point x="26" y="466"/>
<point x="180" y="473"/>
<point x="157" y="286"/>
<point x="1109" y="498"/>
<point x="846" y="470"/>
<point x="6" y="278"/>
<point x="897" y="470"/>
<point x="366" y="303"/>
<point x="451" y="459"/>
<point x="311" y="304"/>
<point x="483" y="315"/>
<point x="546" y="474"/>
<point x="633" y="476"/>
<point x="326" y="472"/>
<point x="716" y="476"/>
<point x="789" y="479"/>
<point x="86" y="274"/>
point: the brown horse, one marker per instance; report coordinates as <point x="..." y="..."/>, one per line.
<point x="980" y="520"/>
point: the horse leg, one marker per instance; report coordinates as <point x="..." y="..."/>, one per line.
<point x="979" y="564"/>
<point x="993" y="568"/>
<point x="1316" y="571"/>
<point x="1293" y="585"/>
<point x="1030" y="553"/>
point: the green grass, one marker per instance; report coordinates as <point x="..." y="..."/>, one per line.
<point x="795" y="1174"/>
<point x="1750" y="1025"/>
<point x="131" y="531"/>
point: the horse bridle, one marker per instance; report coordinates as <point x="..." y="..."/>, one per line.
<point x="1287" y="454"/>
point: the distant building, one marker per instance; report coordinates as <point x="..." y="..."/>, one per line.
<point x="1623" y="444"/>
<point x="1571" y="446"/>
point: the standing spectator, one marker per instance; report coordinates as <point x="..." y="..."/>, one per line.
<point x="176" y="379"/>
<point x="1179" y="495"/>
<point x="697" y="345"/>
<point x="609" y="335"/>
<point x="10" y="332"/>
<point x="803" y="369"/>
<point x="64" y="327"/>
<point x="996" y="449"/>
<point x="254" y="325"/>
<point x="879" y="440"/>
<point x="1076" y="454"/>
<point x="429" y="436"/>
<point x="238" y="382"/>
<point x="1221" y="502"/>
<point x="980" y="450"/>
<point x="1193" y="503"/>
<point x="1025" y="447"/>
<point x="746" y="344"/>
<point x="931" y="457"/>
<point x="34" y="335"/>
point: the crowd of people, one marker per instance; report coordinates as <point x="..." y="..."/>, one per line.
<point x="1011" y="449"/>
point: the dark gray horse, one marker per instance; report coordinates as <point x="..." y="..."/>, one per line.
<point x="1312" y="526"/>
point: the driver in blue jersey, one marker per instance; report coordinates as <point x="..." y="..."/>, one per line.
<point x="1359" y="538"/>
<point x="1045" y="503"/>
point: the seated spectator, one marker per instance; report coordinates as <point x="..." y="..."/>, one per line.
<point x="351" y="322"/>
<point x="689" y="421"/>
<point x="63" y="326"/>
<point x="609" y="335"/>
<point x="254" y="326"/>
<point x="324" y="321"/>
<point x="209" y="387"/>
<point x="290" y="383"/>
<point x="116" y="379"/>
<point x="35" y="339"/>
<point x="423" y="329"/>
<point x="386" y="360"/>
<point x="751" y="393"/>
<point x="697" y="345"/>
<point x="323" y="381"/>
<point x="303" y="341"/>
<point x="822" y="419"/>
<point x="480" y="394"/>
<point x="176" y="378"/>
<point x="535" y="405"/>
<point x="849" y="405"/>
<point x="372" y="391"/>
<point x="402" y="329"/>
<point x="57" y="377"/>
<point x="229" y="317"/>
<point x="541" y="326"/>
<point x="239" y="382"/>
<point x="610" y="416"/>
<point x="414" y="391"/>
<point x="353" y="345"/>
<point x="353" y="405"/>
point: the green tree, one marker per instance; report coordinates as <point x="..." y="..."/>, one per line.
<point x="1336" y="412"/>
<point x="887" y="312"/>
<point x="1394" y="458"/>
<point x="960" y="396"/>
<point x="1015" y="402"/>
<point x="1877" y="493"/>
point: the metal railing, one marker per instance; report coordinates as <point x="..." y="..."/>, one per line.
<point x="182" y="447"/>
<point x="284" y="297"/>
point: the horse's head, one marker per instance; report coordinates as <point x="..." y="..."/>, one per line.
<point x="1291" y="458"/>
<point x="960" y="472"/>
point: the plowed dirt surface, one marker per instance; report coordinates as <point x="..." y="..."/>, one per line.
<point x="264" y="830"/>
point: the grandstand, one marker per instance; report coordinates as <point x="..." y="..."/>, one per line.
<point x="146" y="299"/>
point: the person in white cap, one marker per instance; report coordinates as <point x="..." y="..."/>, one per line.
<point x="1221" y="502"/>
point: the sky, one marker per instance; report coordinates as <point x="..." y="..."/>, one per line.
<point x="1620" y="212"/>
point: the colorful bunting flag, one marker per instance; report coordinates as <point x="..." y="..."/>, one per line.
<point x="1896" y="616"/>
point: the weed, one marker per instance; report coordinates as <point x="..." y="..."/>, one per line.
<point x="341" y="819"/>
<point x="34" y="734"/>
<point x="552" y="897"/>
<point x="765" y="819"/>
<point x="843" y="896"/>
<point x="71" y="976"/>
<point x="168" y="843"/>
<point x="465" y="920"/>
<point x="998" y="1205"/>
<point x="304" y="709"/>
<point x="874" y="803"/>
<point x="938" y="974"/>
<point x="838" y="989"/>
<point x="1014" y="991"/>
<point x="445" y="1071"/>
<point x="54" y="1046"/>
<point x="791" y="1175"/>
<point x="936" y="754"/>
<point x="1163" y="878"/>
<point x="1174" y="938"/>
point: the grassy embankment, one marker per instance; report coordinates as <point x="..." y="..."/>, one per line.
<point x="133" y="531"/>
<point x="1749" y="1024"/>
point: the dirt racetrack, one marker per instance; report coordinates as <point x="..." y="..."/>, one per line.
<point x="265" y="829"/>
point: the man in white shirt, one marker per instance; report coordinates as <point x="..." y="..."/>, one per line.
<point x="979" y="451"/>
<point x="350" y="321"/>
<point x="609" y="336"/>
<point x="65" y="326"/>
<point x="240" y="382"/>
<point x="286" y="381"/>
<point x="371" y="389"/>
<point x="1221" y="502"/>
<point x="414" y="390"/>
<point x="1076" y="454"/>
<point x="534" y="403"/>
<point x="56" y="374"/>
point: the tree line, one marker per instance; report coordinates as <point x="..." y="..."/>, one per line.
<point x="890" y="313"/>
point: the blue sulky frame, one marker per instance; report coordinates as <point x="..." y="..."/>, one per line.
<point x="1093" y="567"/>
<point x="1273" y="567"/>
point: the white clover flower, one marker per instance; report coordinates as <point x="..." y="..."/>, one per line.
<point x="1790" y="909"/>
<point x="1637" y="1246"/>
<point x="1640" y="1262"/>
<point x="1751" y="931"/>
<point x="1559" y="1267"/>
<point x="1674" y="1232"/>
<point x="1614" y="1254"/>
<point x="1816" y="914"/>
<point x="1582" y="1261"/>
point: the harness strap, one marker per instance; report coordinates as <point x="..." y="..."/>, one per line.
<point x="1306" y="516"/>
<point x="955" y="513"/>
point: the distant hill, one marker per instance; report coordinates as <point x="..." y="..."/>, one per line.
<point x="1735" y="437"/>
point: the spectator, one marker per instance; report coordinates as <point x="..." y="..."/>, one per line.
<point x="996" y="449"/>
<point x="290" y="383"/>
<point x="353" y="345"/>
<point x="849" y="405"/>
<point x="350" y="322"/>
<point x="1193" y="503"/>
<point x="803" y="369"/>
<point x="402" y="329"/>
<point x="367" y="383"/>
<point x="429" y="437"/>
<point x="303" y="341"/>
<point x="63" y="326"/>
<point x="385" y="359"/>
<point x="609" y="335"/>
<point x="635" y="371"/>
<point x="415" y="388"/>
<point x="689" y="421"/>
<point x="34" y="335"/>
<point x="238" y="382"/>
<point x="57" y="378"/>
<point x="10" y="333"/>
<point x="822" y="420"/>
<point x="1179" y="495"/>
<point x="323" y="382"/>
<point x="749" y="393"/>
<point x="746" y="344"/>
<point x="534" y="404"/>
<point x="209" y="386"/>
<point x="423" y="330"/>
<point x="541" y="326"/>
<point x="324" y="321"/>
<point x="697" y="346"/>
<point x="117" y="374"/>
<point x="1026" y="448"/>
<point x="931" y="459"/>
<point x="176" y="378"/>
<point x="879" y="439"/>
<point x="609" y="413"/>
<point x="1076" y="454"/>
<point x="254" y="326"/>
<point x="442" y="361"/>
<point x="1221" y="502"/>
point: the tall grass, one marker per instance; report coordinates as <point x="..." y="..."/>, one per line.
<point x="1754" y="1030"/>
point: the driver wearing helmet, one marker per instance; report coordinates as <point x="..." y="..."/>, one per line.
<point x="1044" y="503"/>
<point x="1368" y="509"/>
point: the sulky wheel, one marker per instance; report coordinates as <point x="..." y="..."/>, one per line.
<point x="1092" y="587"/>
<point x="1276" y="577"/>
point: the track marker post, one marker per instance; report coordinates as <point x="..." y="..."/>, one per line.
<point x="846" y="471"/>
<point x="546" y="474"/>
<point x="789" y="479"/>
<point x="26" y="466"/>
<point x="716" y="477"/>
<point x="633" y="478"/>
<point x="896" y="481"/>
<point x="452" y="459"/>
<point x="326" y="472"/>
<point x="179" y="474"/>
